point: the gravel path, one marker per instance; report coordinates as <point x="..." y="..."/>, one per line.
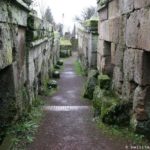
<point x="68" y="122"/>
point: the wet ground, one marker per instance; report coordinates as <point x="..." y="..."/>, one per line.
<point x="68" y="123"/>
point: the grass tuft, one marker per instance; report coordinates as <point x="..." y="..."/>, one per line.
<point x="125" y="134"/>
<point x="24" y="130"/>
<point x="78" y="68"/>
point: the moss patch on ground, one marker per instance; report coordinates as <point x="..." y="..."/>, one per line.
<point x="78" y="68"/>
<point x="124" y="134"/>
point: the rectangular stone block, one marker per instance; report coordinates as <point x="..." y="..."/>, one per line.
<point x="17" y="15"/>
<point x="109" y="30"/>
<point x="34" y="23"/>
<point x="141" y="104"/>
<point x="142" y="72"/>
<point x="113" y="53"/>
<point x="5" y="46"/>
<point x="114" y="9"/>
<point x="103" y="48"/>
<point x="114" y="25"/>
<point x="126" y="6"/>
<point x="128" y="64"/>
<point x="3" y="11"/>
<point x="138" y="30"/>
<point x="119" y="55"/>
<point x="104" y="31"/>
<point x="117" y="80"/>
<point x="141" y="3"/>
<point x="103" y="14"/>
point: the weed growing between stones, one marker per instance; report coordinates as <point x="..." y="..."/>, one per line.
<point x="78" y="68"/>
<point x="23" y="130"/>
<point x="125" y="134"/>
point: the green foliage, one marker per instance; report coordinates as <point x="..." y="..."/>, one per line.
<point x="26" y="127"/>
<point x="110" y="108"/>
<point x="91" y="23"/>
<point x="103" y="2"/>
<point x="65" y="42"/>
<point x="104" y="82"/>
<point x="86" y="14"/>
<point x="78" y="68"/>
<point x="48" y="15"/>
<point x="122" y="133"/>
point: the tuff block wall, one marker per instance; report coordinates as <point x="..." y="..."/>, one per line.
<point x="87" y="44"/>
<point x="27" y="51"/>
<point x="124" y="51"/>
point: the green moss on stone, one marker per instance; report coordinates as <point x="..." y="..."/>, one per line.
<point x="91" y="83"/>
<point x="104" y="81"/>
<point x="65" y="42"/>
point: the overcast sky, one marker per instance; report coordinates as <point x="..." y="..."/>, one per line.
<point x="69" y="8"/>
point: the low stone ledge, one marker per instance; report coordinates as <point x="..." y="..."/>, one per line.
<point x="38" y="42"/>
<point x="23" y="4"/>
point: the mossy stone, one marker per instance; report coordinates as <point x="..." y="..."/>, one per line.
<point x="104" y="82"/>
<point x="97" y="101"/>
<point x="89" y="88"/>
<point x="52" y="84"/>
<point x="60" y="62"/>
<point x="116" y="113"/>
<point x="57" y="67"/>
<point x="56" y="74"/>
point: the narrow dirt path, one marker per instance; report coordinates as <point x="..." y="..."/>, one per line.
<point x="68" y="124"/>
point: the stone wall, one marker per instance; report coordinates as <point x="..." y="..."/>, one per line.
<point x="123" y="50"/>
<point x="87" y="44"/>
<point x="27" y="49"/>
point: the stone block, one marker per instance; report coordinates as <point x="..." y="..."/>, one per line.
<point x="141" y="104"/>
<point x="114" y="27"/>
<point x="142" y="72"/>
<point x="114" y="9"/>
<point x="103" y="48"/>
<point x="104" y="31"/>
<point x="17" y="15"/>
<point x="128" y="88"/>
<point x="141" y="3"/>
<point x="109" y="30"/>
<point x="5" y="46"/>
<point x="117" y="80"/>
<point x="119" y="55"/>
<point x="113" y="53"/>
<point x="128" y="64"/>
<point x="34" y="22"/>
<point x="104" y="82"/>
<point x="106" y="66"/>
<point x="103" y="14"/>
<point x="126" y="6"/>
<point x="3" y="11"/>
<point x="138" y="30"/>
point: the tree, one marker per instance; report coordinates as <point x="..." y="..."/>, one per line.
<point x="48" y="16"/>
<point x="59" y="28"/>
<point x="86" y="14"/>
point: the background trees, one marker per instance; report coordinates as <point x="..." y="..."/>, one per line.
<point x="87" y="13"/>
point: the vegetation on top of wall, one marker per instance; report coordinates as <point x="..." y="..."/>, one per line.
<point x="93" y="22"/>
<point x="102" y="4"/>
<point x="65" y="42"/>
